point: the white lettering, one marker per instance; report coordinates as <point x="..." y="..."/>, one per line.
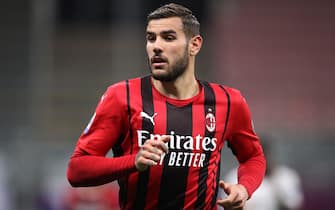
<point x="202" y="158"/>
<point x="142" y="135"/>
<point x="172" y="140"/>
<point x="214" y="144"/>
<point x="196" y="158"/>
<point x="209" y="144"/>
<point x="172" y="158"/>
<point x="197" y="142"/>
<point x="190" y="161"/>
<point x="179" y="156"/>
<point x="182" y="158"/>
<point x="188" y="144"/>
<point x="162" y="158"/>
<point x="184" y="161"/>
<point x="179" y="139"/>
<point x="180" y="142"/>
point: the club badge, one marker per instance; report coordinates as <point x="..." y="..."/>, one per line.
<point x="210" y="121"/>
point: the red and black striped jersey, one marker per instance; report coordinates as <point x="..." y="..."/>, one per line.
<point x="132" y="111"/>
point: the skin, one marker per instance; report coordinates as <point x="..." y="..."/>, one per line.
<point x="150" y="153"/>
<point x="171" y="57"/>
<point x="166" y="39"/>
<point x="237" y="196"/>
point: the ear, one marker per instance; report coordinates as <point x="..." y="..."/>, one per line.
<point x="195" y="44"/>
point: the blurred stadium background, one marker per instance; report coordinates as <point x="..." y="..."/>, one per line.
<point x="59" y="56"/>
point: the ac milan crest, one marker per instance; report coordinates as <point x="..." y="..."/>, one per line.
<point x="210" y="121"/>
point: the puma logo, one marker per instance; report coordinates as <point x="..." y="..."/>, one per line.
<point x="145" y="115"/>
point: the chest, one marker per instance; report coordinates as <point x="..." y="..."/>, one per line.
<point x="194" y="126"/>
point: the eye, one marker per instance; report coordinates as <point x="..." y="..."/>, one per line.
<point x="169" y="37"/>
<point x="150" y="37"/>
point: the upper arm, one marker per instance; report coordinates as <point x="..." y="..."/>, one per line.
<point x="242" y="138"/>
<point x="107" y="125"/>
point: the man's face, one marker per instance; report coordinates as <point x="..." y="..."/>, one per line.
<point x="167" y="48"/>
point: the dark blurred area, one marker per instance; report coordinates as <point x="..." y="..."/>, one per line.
<point x="59" y="56"/>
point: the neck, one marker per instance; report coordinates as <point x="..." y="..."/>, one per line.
<point x="184" y="87"/>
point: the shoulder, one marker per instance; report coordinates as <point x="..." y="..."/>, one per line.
<point x="121" y="86"/>
<point x="116" y="93"/>
<point x="239" y="109"/>
<point x="235" y="96"/>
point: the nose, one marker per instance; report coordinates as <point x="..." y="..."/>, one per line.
<point x="157" y="50"/>
<point x="157" y="46"/>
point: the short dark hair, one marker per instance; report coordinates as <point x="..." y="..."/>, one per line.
<point x="191" y="25"/>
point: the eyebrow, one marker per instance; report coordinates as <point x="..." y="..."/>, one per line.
<point x="166" y="32"/>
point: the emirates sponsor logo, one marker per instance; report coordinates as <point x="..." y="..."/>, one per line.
<point x="179" y="142"/>
<point x="179" y="145"/>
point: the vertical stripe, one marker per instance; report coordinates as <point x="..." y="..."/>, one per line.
<point x="147" y="107"/>
<point x="198" y="129"/>
<point x="123" y="183"/>
<point x="131" y="145"/>
<point x="118" y="151"/>
<point x="216" y="186"/>
<point x="156" y="171"/>
<point x="209" y="106"/>
<point x="129" y="116"/>
<point x="223" y="136"/>
<point x="228" y="109"/>
<point x="172" y="188"/>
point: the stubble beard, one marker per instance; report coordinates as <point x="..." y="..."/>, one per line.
<point x="175" y="71"/>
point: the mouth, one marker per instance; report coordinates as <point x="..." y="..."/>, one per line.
<point x="158" y="62"/>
